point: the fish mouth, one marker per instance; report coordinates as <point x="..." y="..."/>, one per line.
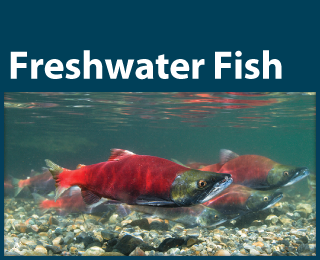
<point x="217" y="188"/>
<point x="299" y="175"/>
<point x="276" y="198"/>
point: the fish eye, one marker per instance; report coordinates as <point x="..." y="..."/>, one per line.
<point x="202" y="184"/>
<point x="265" y="198"/>
<point x="286" y="173"/>
<point x="216" y="216"/>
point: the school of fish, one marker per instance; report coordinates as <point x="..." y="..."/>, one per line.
<point x="195" y="194"/>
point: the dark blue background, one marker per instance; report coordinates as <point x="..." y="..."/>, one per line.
<point x="180" y="30"/>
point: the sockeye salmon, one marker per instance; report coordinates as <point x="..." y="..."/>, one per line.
<point x="41" y="183"/>
<point x="257" y="172"/>
<point x="70" y="202"/>
<point x="197" y="215"/>
<point x="140" y="179"/>
<point x="237" y="200"/>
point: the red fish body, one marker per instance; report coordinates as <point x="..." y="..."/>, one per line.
<point x="144" y="172"/>
<point x="74" y="203"/>
<point x="42" y="183"/>
<point x="238" y="200"/>
<point x="132" y="179"/>
<point x="232" y="200"/>
<point x="212" y="168"/>
<point x="255" y="171"/>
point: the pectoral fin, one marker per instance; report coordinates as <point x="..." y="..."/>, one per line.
<point x="89" y="197"/>
<point x="153" y="201"/>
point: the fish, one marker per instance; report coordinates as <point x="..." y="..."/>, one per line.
<point x="193" y="216"/>
<point x="70" y="202"/>
<point x="238" y="200"/>
<point x="40" y="183"/>
<point x="140" y="180"/>
<point x="257" y="172"/>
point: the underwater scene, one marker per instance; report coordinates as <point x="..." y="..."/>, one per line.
<point x="159" y="174"/>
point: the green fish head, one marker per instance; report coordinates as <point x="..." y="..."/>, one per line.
<point x="284" y="175"/>
<point x="195" y="187"/>
<point x="210" y="217"/>
<point x="260" y="200"/>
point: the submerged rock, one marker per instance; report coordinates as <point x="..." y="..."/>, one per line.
<point x="170" y="243"/>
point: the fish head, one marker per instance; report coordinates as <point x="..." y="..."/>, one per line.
<point x="284" y="175"/>
<point x="210" y="217"/>
<point x="195" y="187"/>
<point x="261" y="200"/>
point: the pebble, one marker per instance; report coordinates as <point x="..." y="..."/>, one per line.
<point x="41" y="249"/>
<point x="94" y="251"/>
<point x="222" y="253"/>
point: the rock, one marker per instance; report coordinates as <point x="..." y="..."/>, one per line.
<point x="277" y="253"/>
<point x="222" y="252"/>
<point x="243" y="251"/>
<point x="22" y="228"/>
<point x="43" y="228"/>
<point x="260" y="244"/>
<point x="301" y="212"/>
<point x="156" y="225"/>
<point x="58" y="231"/>
<point x="191" y="241"/>
<point x="26" y="252"/>
<point x="257" y="223"/>
<point x="112" y="254"/>
<point x="127" y="244"/>
<point x="142" y="223"/>
<point x="94" y="251"/>
<point x="107" y="234"/>
<point x="304" y="239"/>
<point x="41" y="250"/>
<point x="35" y="228"/>
<point x="254" y="252"/>
<point x="84" y="238"/>
<point x="306" y="207"/>
<point x="54" y="249"/>
<point x="271" y="220"/>
<point x="193" y="232"/>
<point x="57" y="241"/>
<point x="173" y="251"/>
<point x="53" y="221"/>
<point x="170" y="243"/>
<point x="137" y="252"/>
<point x="285" y="221"/>
<point x="114" y="219"/>
<point x="303" y="248"/>
<point x="73" y="250"/>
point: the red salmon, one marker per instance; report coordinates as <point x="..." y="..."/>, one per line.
<point x="140" y="179"/>
<point x="257" y="172"/>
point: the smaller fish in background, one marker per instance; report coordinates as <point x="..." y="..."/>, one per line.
<point x="70" y="202"/>
<point x="257" y="172"/>
<point x="193" y="216"/>
<point x="42" y="183"/>
<point x="237" y="200"/>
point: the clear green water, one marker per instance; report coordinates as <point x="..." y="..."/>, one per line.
<point x="72" y="128"/>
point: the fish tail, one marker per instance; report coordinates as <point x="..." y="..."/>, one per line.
<point x="55" y="171"/>
<point x="16" y="187"/>
<point x="39" y="200"/>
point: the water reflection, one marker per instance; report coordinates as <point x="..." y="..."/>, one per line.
<point x="166" y="109"/>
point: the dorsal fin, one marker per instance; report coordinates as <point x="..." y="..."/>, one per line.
<point x="80" y="166"/>
<point x="118" y="154"/>
<point x="226" y="156"/>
